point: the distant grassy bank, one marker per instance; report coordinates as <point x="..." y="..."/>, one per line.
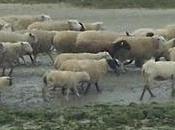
<point x="98" y="117"/>
<point x="105" y="3"/>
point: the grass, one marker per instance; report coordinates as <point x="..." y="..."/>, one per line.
<point x="105" y="3"/>
<point x="98" y="117"/>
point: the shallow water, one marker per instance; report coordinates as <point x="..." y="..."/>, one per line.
<point x="123" y="89"/>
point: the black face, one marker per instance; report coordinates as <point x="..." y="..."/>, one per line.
<point x="121" y="44"/>
<point x="149" y="34"/>
<point x="113" y="64"/>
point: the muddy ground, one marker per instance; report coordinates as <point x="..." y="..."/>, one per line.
<point x="123" y="89"/>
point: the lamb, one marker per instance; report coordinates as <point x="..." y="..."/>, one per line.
<point x="95" y="68"/>
<point x="141" y="48"/>
<point x="160" y="70"/>
<point x="65" y="41"/>
<point x="12" y="52"/>
<point x="64" y="80"/>
<point x="5" y="81"/>
<point x="97" y="41"/>
<point x="56" y="25"/>
<point x="21" y="22"/>
<point x="61" y="58"/>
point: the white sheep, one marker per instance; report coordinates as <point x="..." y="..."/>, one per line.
<point x="79" y="56"/>
<point x="21" y="22"/>
<point x="16" y="37"/>
<point x="64" y="80"/>
<point x="160" y="70"/>
<point x="13" y="51"/>
<point x="56" y="25"/>
<point x="95" y="68"/>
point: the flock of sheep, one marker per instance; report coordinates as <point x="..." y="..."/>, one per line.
<point x="86" y="52"/>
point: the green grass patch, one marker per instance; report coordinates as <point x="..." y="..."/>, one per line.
<point x="98" y="117"/>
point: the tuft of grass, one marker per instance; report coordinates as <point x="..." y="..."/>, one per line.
<point x="97" y="117"/>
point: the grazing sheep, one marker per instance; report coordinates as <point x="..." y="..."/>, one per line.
<point x="160" y="70"/>
<point x="56" y="25"/>
<point x="95" y="68"/>
<point x="13" y="51"/>
<point x="79" y="56"/>
<point x="21" y="22"/>
<point x="97" y="41"/>
<point x="64" y="80"/>
<point x="65" y="41"/>
<point x="141" y="48"/>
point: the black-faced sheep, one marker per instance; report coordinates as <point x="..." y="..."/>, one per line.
<point x="64" y="80"/>
<point x="79" y="56"/>
<point x="97" y="41"/>
<point x="95" y="68"/>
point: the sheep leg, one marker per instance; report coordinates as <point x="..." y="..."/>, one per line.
<point x="87" y="88"/>
<point x="3" y="71"/>
<point x="76" y="92"/>
<point x="31" y="58"/>
<point x="67" y="94"/>
<point x="97" y="87"/>
<point x="63" y="90"/>
<point x="150" y="92"/>
<point x="50" y="56"/>
<point x="11" y="70"/>
<point x="172" y="86"/>
<point x="143" y="92"/>
<point x="23" y="59"/>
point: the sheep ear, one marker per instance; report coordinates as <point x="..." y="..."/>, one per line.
<point x="82" y="26"/>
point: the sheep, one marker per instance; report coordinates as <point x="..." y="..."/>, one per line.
<point x="12" y="52"/>
<point x="141" y="48"/>
<point x="160" y="70"/>
<point x="143" y="32"/>
<point x="16" y="37"/>
<point x="79" y="56"/>
<point x="4" y="82"/>
<point x="95" y="68"/>
<point x="44" y="43"/>
<point x="21" y="22"/>
<point x="97" y="41"/>
<point x="64" y="80"/>
<point x="65" y="41"/>
<point x="56" y="25"/>
<point x="93" y="26"/>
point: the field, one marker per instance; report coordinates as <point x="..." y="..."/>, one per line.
<point x="25" y="93"/>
